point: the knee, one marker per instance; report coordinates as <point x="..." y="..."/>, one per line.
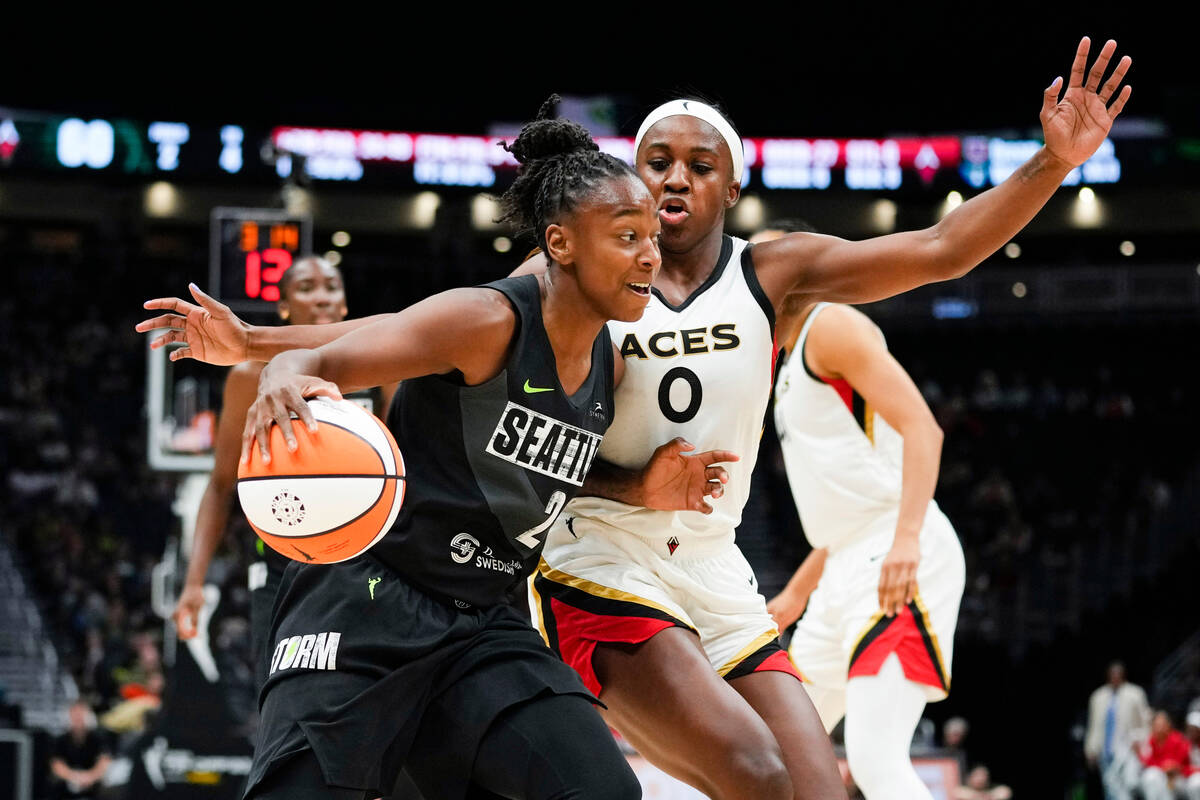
<point x="756" y="774"/>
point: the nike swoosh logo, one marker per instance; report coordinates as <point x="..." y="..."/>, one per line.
<point x="876" y="558"/>
<point x="533" y="389"/>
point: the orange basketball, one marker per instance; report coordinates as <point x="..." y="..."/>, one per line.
<point x="332" y="498"/>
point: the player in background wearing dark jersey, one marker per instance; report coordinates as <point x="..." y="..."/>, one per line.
<point x="757" y="735"/>
<point x="451" y="679"/>
<point x="312" y="292"/>
<point x="862" y="451"/>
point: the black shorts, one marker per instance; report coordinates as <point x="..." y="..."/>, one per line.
<point x="358" y="656"/>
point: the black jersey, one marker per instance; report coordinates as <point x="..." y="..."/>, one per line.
<point x="489" y="467"/>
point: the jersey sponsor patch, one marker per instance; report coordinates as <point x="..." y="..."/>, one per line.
<point x="307" y="651"/>
<point x="543" y="444"/>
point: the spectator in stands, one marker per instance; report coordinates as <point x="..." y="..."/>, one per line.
<point x="1118" y="716"/>
<point x="979" y="786"/>
<point x="954" y="740"/>
<point x="954" y="733"/>
<point x="79" y="757"/>
<point x="1168" y="772"/>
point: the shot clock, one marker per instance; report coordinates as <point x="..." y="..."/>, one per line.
<point x="250" y="250"/>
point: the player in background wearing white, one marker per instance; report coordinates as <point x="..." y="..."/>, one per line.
<point x="658" y="611"/>
<point x="312" y="292"/>
<point x="883" y="582"/>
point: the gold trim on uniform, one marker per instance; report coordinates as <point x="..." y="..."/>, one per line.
<point x="537" y="603"/>
<point x="748" y="651"/>
<point x="863" y="634"/>
<point x="597" y="590"/>
<point x="937" y="647"/>
<point x="869" y="422"/>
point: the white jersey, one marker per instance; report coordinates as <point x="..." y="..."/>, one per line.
<point x="844" y="462"/>
<point x="701" y="370"/>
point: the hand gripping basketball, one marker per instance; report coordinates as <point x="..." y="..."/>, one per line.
<point x="332" y="496"/>
<point x="281" y="395"/>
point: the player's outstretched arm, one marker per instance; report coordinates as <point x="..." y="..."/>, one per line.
<point x="672" y="480"/>
<point x="1075" y="122"/>
<point x="216" y="335"/>
<point x="469" y="330"/>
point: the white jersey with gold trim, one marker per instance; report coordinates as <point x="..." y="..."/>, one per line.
<point x="701" y="370"/>
<point x="844" y="462"/>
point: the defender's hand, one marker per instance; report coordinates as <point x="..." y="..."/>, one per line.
<point x="1075" y="124"/>
<point x="674" y="481"/>
<point x="212" y="332"/>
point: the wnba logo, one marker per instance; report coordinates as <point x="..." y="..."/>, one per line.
<point x="287" y="508"/>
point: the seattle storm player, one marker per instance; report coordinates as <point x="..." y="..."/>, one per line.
<point x="658" y="610"/>
<point x="409" y="654"/>
<point x="312" y="292"/>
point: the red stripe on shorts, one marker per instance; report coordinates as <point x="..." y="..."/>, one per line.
<point x="902" y="635"/>
<point x="579" y="632"/>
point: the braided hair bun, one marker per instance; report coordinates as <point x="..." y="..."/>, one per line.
<point x="560" y="167"/>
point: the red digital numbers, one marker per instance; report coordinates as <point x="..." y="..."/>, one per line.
<point x="262" y="282"/>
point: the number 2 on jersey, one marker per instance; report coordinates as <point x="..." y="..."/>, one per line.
<point x="553" y="509"/>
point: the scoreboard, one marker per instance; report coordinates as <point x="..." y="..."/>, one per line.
<point x="249" y="251"/>
<point x="40" y="143"/>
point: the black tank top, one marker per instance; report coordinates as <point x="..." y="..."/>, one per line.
<point x="489" y="467"/>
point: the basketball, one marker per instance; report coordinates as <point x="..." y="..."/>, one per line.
<point x="335" y="496"/>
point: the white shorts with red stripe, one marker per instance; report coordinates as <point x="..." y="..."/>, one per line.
<point x="843" y="633"/>
<point x="597" y="583"/>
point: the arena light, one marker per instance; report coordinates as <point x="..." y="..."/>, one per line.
<point x="883" y="216"/>
<point x="1019" y="289"/>
<point x="1012" y="250"/>
<point x="1087" y="210"/>
<point x="484" y="212"/>
<point x="502" y="244"/>
<point x="1127" y="248"/>
<point x="340" y="239"/>
<point x="423" y="210"/>
<point x="750" y="213"/>
<point x="297" y="200"/>
<point x="333" y="257"/>
<point x="953" y="200"/>
<point x="162" y="199"/>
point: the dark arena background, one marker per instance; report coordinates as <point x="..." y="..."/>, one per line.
<point x="1063" y="370"/>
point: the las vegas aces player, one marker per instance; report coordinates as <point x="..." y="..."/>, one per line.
<point x="409" y="655"/>
<point x="862" y="451"/>
<point x="658" y="610"/>
<point x="312" y="293"/>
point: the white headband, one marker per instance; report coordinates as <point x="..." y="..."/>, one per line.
<point x="694" y="108"/>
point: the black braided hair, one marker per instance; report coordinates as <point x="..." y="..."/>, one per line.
<point x="560" y="168"/>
